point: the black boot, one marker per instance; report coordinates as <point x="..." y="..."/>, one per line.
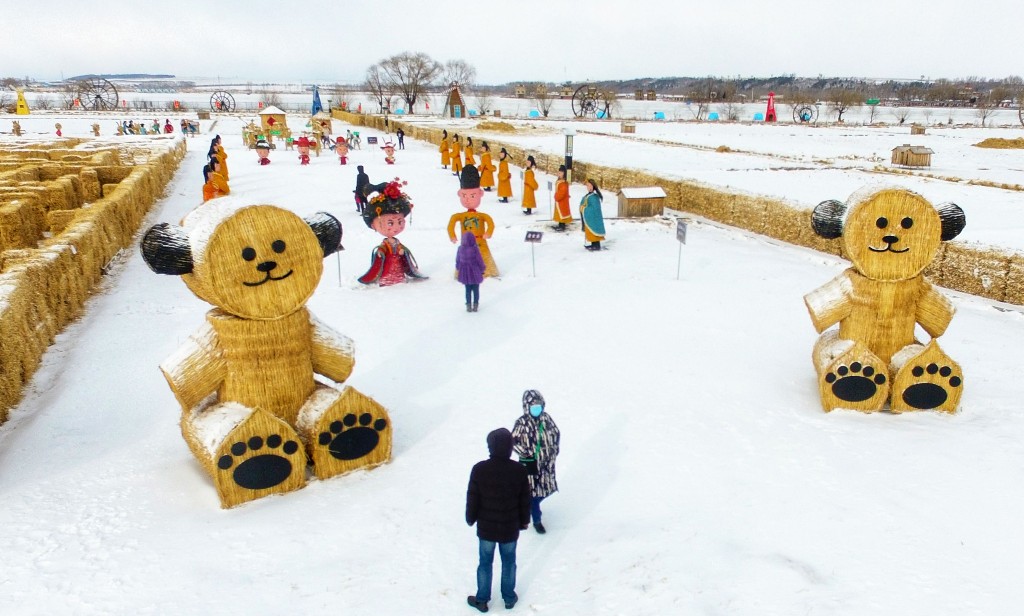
<point x="560" y="227"/>
<point x="476" y="307"/>
<point x="539" y="528"/>
<point x="471" y="600"/>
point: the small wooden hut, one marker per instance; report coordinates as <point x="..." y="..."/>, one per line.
<point x="912" y="156"/>
<point x="652" y="95"/>
<point x="916" y="129"/>
<point x="638" y="95"/>
<point x="643" y="201"/>
<point x="627" y="127"/>
<point x="520" y="91"/>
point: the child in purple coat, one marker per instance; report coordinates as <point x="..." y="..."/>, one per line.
<point x="470" y="266"/>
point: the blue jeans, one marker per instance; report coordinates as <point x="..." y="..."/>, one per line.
<point x="535" y="508"/>
<point x="508" y="570"/>
<point x="472" y="293"/>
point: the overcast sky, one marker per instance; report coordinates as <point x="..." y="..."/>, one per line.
<point x="532" y="40"/>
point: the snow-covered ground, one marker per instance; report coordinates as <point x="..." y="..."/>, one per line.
<point x="698" y="474"/>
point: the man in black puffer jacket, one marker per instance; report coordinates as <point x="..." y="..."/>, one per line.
<point x="498" y="502"/>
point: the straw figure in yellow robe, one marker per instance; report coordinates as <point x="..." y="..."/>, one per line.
<point x="469" y="152"/>
<point x="253" y="413"/>
<point x="529" y="186"/>
<point x="456" y="154"/>
<point x="479" y="224"/>
<point x="486" y="168"/>
<point x="890" y="235"/>
<point x="445" y="149"/>
<point x="563" y="212"/>
<point x="217" y="149"/>
<point x="504" y="177"/>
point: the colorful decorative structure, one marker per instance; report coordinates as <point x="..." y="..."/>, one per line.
<point x="22" y="104"/>
<point x="302" y="145"/>
<point x="391" y="262"/>
<point x="389" y="152"/>
<point x="479" y="224"/>
<point x="263" y="151"/>
<point x="454" y="104"/>
<point x="253" y="413"/>
<point x="58" y="127"/>
<point x="890" y="235"/>
<point x="769" y="114"/>
<point x="341" y="149"/>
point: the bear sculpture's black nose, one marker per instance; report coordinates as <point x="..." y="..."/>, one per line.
<point x="890" y="239"/>
<point x="266" y="266"/>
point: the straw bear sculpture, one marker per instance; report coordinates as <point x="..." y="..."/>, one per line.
<point x="890" y="235"/>
<point x="252" y="412"/>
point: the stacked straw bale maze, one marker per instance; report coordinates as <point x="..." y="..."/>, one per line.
<point x="66" y="209"/>
<point x="980" y="270"/>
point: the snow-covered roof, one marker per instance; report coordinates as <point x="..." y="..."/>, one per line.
<point x="643" y="192"/>
<point x="270" y="109"/>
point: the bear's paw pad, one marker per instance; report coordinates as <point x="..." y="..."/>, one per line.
<point x="931" y="393"/>
<point x="347" y="441"/>
<point x="261" y="468"/>
<point x="854" y="383"/>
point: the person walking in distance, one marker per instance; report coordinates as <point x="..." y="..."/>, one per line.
<point x="535" y="438"/>
<point x="498" y="502"/>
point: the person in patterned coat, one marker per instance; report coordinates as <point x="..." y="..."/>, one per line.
<point x="535" y="439"/>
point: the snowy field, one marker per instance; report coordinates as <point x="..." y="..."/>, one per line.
<point x="698" y="474"/>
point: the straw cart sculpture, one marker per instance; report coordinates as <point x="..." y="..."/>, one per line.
<point x="890" y="235"/>
<point x="252" y="412"/>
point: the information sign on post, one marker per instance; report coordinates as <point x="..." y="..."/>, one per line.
<point x="371" y="141"/>
<point x="533" y="238"/>
<point x="681" y="238"/>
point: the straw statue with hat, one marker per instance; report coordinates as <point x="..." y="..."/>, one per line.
<point x="529" y="186"/>
<point x="341" y="149"/>
<point x="504" y="177"/>
<point x="302" y="144"/>
<point x="479" y="224"/>
<point x="389" y="152"/>
<point x="385" y="213"/>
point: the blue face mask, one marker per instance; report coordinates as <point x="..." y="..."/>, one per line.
<point x="536" y="410"/>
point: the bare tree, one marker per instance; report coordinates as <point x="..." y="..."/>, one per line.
<point x="611" y="102"/>
<point x="43" y="101"/>
<point x="460" y="72"/>
<point x="68" y="95"/>
<point x="484" y="100"/>
<point x="543" y="98"/>
<point x="5" y="102"/>
<point x="410" y="75"/>
<point x="901" y="114"/>
<point x="989" y="102"/>
<point x="378" y="85"/>
<point x="840" y="100"/>
<point x="731" y="110"/>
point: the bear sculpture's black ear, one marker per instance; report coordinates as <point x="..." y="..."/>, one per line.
<point x="327" y="229"/>
<point x="166" y="250"/>
<point x="827" y="219"/>
<point x="953" y="220"/>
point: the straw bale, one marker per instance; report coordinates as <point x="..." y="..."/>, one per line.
<point x="1015" y="280"/>
<point x="344" y="431"/>
<point x="58" y="220"/>
<point x="21" y="223"/>
<point x="112" y="174"/>
<point x="239" y="446"/>
<point x="748" y="213"/>
<point x="976" y="270"/>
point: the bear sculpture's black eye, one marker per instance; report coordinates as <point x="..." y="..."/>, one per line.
<point x="907" y="223"/>
<point x="278" y="246"/>
<point x="248" y="253"/>
<point x="882" y="223"/>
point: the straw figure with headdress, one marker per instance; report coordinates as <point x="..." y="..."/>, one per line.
<point x="341" y="149"/>
<point x="302" y="144"/>
<point x="263" y="151"/>
<point x="890" y="235"/>
<point x="445" y="149"/>
<point x="391" y="262"/>
<point x="529" y="186"/>
<point x="504" y="177"/>
<point x="479" y="224"/>
<point x="253" y="412"/>
<point x="486" y="168"/>
<point x="562" y="214"/>
<point x="456" y="154"/>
